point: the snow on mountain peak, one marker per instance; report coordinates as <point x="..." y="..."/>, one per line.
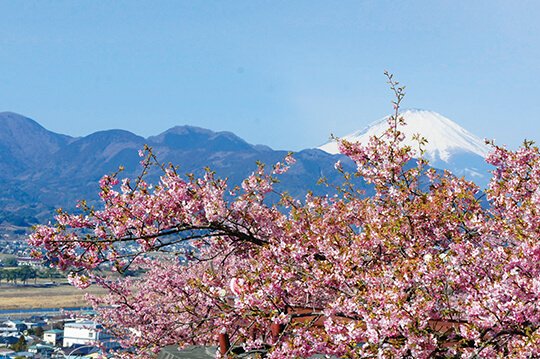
<point x="445" y="138"/>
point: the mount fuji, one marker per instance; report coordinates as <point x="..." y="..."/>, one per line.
<point x="449" y="146"/>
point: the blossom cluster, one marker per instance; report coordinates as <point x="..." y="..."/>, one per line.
<point x="428" y="267"/>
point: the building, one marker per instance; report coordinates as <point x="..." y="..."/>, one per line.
<point x="86" y="332"/>
<point x="53" y="336"/>
<point x="82" y="351"/>
<point x="18" y="325"/>
<point x="6" y="353"/>
<point x="29" y="261"/>
<point x="44" y="350"/>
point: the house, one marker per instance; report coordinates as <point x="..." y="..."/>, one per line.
<point x="58" y="321"/>
<point x="86" y="332"/>
<point x="35" y="321"/>
<point x="53" y="336"/>
<point x="6" y="341"/>
<point x="5" y="353"/>
<point x="17" y="325"/>
<point x="78" y="351"/>
<point x="24" y="354"/>
<point x="44" y="350"/>
<point x="6" y="330"/>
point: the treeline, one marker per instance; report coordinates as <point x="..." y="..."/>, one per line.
<point x="25" y="273"/>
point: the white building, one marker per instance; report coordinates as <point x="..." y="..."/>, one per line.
<point x="29" y="261"/>
<point x="86" y="332"/>
<point x="53" y="336"/>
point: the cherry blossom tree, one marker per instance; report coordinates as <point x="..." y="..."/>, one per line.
<point x="428" y="267"/>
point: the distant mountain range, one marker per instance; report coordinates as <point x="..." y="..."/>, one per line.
<point x="41" y="170"/>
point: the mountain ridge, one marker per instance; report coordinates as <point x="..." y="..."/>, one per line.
<point x="41" y="170"/>
<point x="25" y="143"/>
<point x="69" y="168"/>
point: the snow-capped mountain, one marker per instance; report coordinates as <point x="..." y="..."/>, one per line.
<point x="449" y="145"/>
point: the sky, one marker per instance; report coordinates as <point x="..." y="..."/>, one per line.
<point x="286" y="74"/>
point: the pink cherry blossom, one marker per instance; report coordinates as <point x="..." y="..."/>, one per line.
<point x="428" y="267"/>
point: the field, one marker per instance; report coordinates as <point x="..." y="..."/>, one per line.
<point x="43" y="297"/>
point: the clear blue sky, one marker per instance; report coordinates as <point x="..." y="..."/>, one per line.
<point x="281" y="73"/>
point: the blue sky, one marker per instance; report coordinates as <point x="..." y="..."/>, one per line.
<point x="282" y="73"/>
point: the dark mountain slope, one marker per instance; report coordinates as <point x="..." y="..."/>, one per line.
<point x="25" y="144"/>
<point x="44" y="170"/>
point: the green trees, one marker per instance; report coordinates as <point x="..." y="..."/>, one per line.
<point x="38" y="331"/>
<point x="20" y="345"/>
<point x="10" y="262"/>
<point x="11" y="276"/>
<point x="23" y="274"/>
<point x="50" y="273"/>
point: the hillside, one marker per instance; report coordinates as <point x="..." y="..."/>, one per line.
<point x="42" y="170"/>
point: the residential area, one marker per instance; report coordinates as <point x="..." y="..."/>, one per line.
<point x="52" y="336"/>
<point x="40" y="332"/>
